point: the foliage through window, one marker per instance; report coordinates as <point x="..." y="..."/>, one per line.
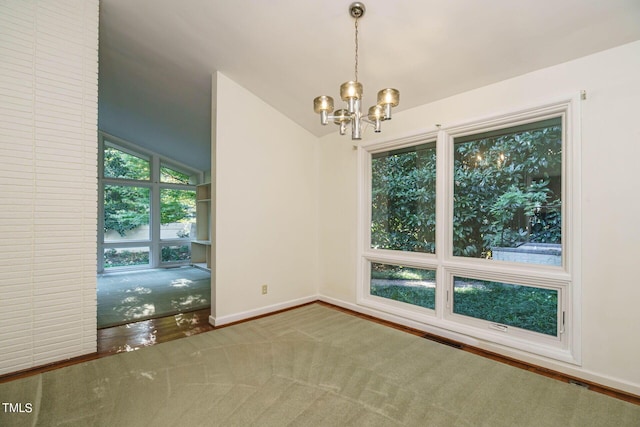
<point x="173" y="176"/>
<point x="525" y="307"/>
<point x="126" y="208"/>
<point x="126" y="257"/>
<point x="507" y="192"/>
<point x="136" y="195"/>
<point x="502" y="195"/>
<point x="403" y="198"/>
<point x="120" y="164"/>
<point x="175" y="253"/>
<point x="177" y="213"/>
<point x="415" y="286"/>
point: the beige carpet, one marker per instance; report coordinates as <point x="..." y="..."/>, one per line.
<point x="311" y="366"/>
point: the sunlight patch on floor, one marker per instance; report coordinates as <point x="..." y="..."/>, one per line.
<point x="181" y="283"/>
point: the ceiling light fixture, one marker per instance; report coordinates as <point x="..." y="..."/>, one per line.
<point x="351" y="92"/>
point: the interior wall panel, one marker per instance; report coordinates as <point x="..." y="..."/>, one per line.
<point x="48" y="183"/>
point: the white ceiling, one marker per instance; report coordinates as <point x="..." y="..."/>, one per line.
<point x="157" y="56"/>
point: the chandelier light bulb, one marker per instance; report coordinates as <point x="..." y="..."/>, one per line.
<point x="323" y="105"/>
<point x="350" y="89"/>
<point x="388" y="98"/>
<point x="376" y="112"/>
<point x="376" y="115"/>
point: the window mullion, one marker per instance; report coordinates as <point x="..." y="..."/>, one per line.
<point x="155" y="212"/>
<point x="443" y="223"/>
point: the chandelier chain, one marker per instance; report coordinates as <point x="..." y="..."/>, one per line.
<point x="356" y="49"/>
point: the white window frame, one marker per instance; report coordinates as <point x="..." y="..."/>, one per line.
<point x="155" y="243"/>
<point x="565" y="279"/>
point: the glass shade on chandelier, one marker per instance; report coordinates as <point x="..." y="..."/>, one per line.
<point x="351" y="92"/>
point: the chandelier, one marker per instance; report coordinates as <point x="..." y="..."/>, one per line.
<point x="351" y="92"/>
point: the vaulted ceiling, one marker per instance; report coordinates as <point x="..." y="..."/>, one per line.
<point x="157" y="56"/>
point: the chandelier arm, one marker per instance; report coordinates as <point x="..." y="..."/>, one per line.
<point x="332" y="117"/>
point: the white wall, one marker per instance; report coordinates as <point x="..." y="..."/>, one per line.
<point x="48" y="186"/>
<point x="609" y="205"/>
<point x="266" y="206"/>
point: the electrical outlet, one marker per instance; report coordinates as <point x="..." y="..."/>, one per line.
<point x="265" y="289"/>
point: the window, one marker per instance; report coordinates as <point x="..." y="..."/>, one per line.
<point x="169" y="174"/>
<point x="507" y="194"/>
<point x="504" y="304"/>
<point x="177" y="213"/>
<point x="147" y="208"/>
<point x="415" y="286"/>
<point x="126" y="257"/>
<point x="127" y="211"/>
<point x="471" y="229"/>
<point x="119" y="163"/>
<point x="175" y="253"/>
<point x="403" y="196"/>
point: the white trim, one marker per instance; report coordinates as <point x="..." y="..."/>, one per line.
<point x="244" y="315"/>
<point x="566" y="346"/>
<point x="401" y="320"/>
<point x="381" y="146"/>
<point x="421" y="319"/>
<point x="363" y="234"/>
<point x="543" y="362"/>
<point x="573" y="200"/>
<point x="481" y="338"/>
<point x="528" y="114"/>
<point x="364" y="190"/>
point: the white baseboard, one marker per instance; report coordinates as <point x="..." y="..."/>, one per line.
<point x="400" y="321"/>
<point x="585" y="374"/>
<point x="231" y="318"/>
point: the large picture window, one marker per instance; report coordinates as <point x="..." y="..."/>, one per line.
<point x="507" y="194"/>
<point x="147" y="207"/>
<point x="403" y="196"/>
<point x="471" y="229"/>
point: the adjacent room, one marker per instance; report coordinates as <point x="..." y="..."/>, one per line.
<point x="349" y="213"/>
<point x="154" y="235"/>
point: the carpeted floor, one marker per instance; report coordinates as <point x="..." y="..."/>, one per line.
<point x="312" y="366"/>
<point x="125" y="297"/>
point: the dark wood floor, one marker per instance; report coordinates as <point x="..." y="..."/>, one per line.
<point x="131" y="337"/>
<point x="136" y="335"/>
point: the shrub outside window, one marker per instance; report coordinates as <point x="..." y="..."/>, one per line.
<point x="475" y="233"/>
<point x="122" y="164"/>
<point x="504" y="304"/>
<point x="508" y="194"/>
<point x="403" y="199"/>
<point x="415" y="286"/>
